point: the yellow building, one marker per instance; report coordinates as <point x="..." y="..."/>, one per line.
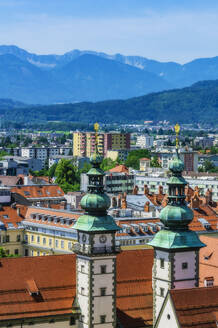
<point x="84" y="143"/>
<point x="49" y="231"/>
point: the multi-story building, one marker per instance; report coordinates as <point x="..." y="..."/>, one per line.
<point x="44" y="153"/>
<point x="49" y="231"/>
<point x="116" y="141"/>
<point x="120" y="154"/>
<point x="145" y="141"/>
<point x="14" y="165"/>
<point x="190" y="159"/>
<point x="155" y="180"/>
<point x="11" y="228"/>
<point x="84" y="143"/>
<point x="39" y="195"/>
<point x="116" y="180"/>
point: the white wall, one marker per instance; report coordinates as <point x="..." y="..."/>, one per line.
<point x="165" y="321"/>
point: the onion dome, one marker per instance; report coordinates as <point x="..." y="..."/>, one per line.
<point x="96" y="158"/>
<point x="176" y="216"/>
<point x="176" y="165"/>
<point x="96" y="202"/>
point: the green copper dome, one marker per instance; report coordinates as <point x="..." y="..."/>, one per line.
<point x="179" y="216"/>
<point x="96" y="202"/>
<point x="176" y="216"/>
<point x="176" y="165"/>
<point x="96" y="158"/>
<point x="93" y="202"/>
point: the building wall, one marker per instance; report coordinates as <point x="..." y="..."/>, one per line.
<point x="14" y="246"/>
<point x="168" y="318"/>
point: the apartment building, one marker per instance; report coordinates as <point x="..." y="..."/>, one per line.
<point x="44" y="153"/>
<point x="84" y="143"/>
<point x="189" y="157"/>
<point x="155" y="180"/>
<point x="145" y="141"/>
<point x="49" y="231"/>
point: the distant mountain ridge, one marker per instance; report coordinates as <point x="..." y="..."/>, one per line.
<point x="92" y="76"/>
<point x="195" y="104"/>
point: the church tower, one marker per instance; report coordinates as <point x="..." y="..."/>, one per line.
<point x="96" y="253"/>
<point x="176" y="248"/>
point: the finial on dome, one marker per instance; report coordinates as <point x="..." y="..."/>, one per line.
<point x="96" y="158"/>
<point x="177" y="129"/>
<point x="96" y="128"/>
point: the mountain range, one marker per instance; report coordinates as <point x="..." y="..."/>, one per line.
<point x="195" y="104"/>
<point x="91" y="76"/>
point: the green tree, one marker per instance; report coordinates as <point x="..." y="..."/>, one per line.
<point x="67" y="175"/>
<point x="134" y="157"/>
<point x="208" y="166"/>
<point x="51" y="171"/>
<point x="155" y="162"/>
<point x="108" y="164"/>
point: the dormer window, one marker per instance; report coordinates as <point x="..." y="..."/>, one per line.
<point x="209" y="282"/>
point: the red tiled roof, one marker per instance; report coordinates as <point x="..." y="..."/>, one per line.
<point x="49" y="211"/>
<point x="209" y="259"/>
<point x="46" y="191"/>
<point x="144" y="159"/>
<point x="9" y="215"/>
<point x="119" y="169"/>
<point x="8" y="180"/>
<point x="55" y="278"/>
<point x="196" y="307"/>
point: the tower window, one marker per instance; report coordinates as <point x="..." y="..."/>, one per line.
<point x="102" y="318"/>
<point x="82" y="268"/>
<point x="184" y="265"/>
<point x="82" y="290"/>
<point x="103" y="291"/>
<point x="162" y="292"/>
<point x="162" y="263"/>
<point x="103" y="268"/>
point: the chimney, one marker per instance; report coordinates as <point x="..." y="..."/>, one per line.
<point x="195" y="201"/>
<point x="146" y="190"/>
<point x="18" y="211"/>
<point x="160" y="189"/>
<point x="114" y="202"/>
<point x="119" y="201"/>
<point x="208" y="197"/>
<point x="147" y="207"/>
<point x="165" y="201"/>
<point x="135" y="190"/>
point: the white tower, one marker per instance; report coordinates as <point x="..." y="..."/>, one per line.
<point x="96" y="254"/>
<point x="176" y="248"/>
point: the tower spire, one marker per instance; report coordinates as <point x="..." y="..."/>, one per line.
<point x="96" y="251"/>
<point x="176" y="256"/>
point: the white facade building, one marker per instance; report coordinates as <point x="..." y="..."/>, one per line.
<point x="145" y="141"/>
<point x="154" y="181"/>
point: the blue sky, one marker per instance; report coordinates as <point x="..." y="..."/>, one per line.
<point x="165" y="30"/>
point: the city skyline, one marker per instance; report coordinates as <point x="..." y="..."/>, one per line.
<point x="169" y="31"/>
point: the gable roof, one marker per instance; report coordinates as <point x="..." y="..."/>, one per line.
<point x="55" y="282"/>
<point x="8" y="180"/>
<point x="196" y="307"/>
<point x="37" y="192"/>
<point x="119" y="169"/>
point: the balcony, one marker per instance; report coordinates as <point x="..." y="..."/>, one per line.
<point x="86" y="249"/>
